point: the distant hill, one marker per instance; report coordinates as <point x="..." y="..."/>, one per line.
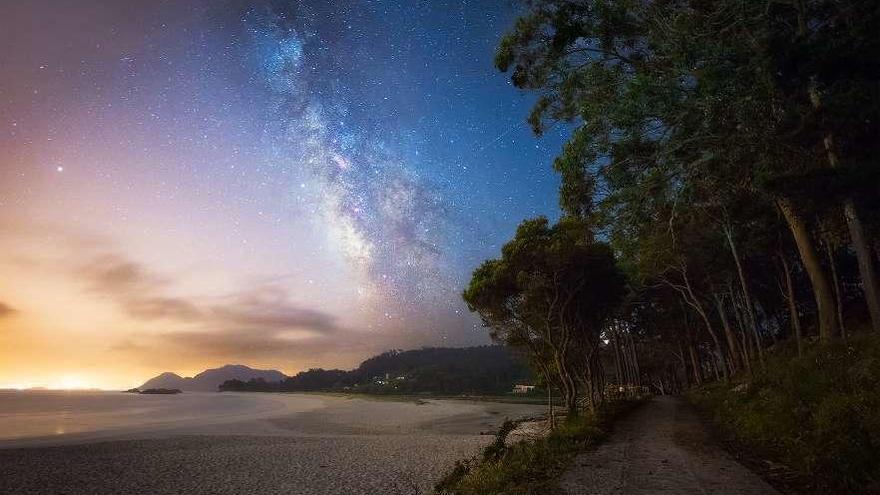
<point x="436" y="370"/>
<point x="210" y="380"/>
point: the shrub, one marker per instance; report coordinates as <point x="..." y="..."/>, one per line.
<point x="529" y="467"/>
<point x="818" y="414"/>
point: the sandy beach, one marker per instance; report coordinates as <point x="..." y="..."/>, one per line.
<point x="261" y="443"/>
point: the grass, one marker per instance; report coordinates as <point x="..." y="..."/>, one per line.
<point x="529" y="467"/>
<point x="818" y="415"/>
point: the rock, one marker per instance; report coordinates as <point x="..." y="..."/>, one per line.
<point x="161" y="391"/>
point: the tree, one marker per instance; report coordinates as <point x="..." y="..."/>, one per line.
<point x="710" y="99"/>
<point x="551" y="292"/>
<point x="827" y="56"/>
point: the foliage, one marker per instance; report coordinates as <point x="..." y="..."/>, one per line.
<point x="727" y="153"/>
<point x="816" y="414"/>
<point x="716" y="147"/>
<point x="530" y="467"/>
<point x="550" y="294"/>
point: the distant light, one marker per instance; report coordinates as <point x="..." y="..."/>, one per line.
<point x="14" y="386"/>
<point x="70" y="382"/>
<point x="60" y="168"/>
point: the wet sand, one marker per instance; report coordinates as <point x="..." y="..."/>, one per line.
<point x="300" y="444"/>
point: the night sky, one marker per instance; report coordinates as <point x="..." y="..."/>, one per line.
<point x="280" y="184"/>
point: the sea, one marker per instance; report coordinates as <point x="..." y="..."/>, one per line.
<point x="48" y="414"/>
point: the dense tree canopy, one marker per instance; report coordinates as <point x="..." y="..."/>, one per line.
<point x="725" y="154"/>
<point x="551" y="293"/>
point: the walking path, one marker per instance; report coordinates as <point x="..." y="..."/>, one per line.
<point x="662" y="448"/>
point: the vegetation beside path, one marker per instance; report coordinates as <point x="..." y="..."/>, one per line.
<point x="532" y="467"/>
<point x="812" y="420"/>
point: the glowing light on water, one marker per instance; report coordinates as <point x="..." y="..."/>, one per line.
<point x="13" y="386"/>
<point x="71" y="382"/>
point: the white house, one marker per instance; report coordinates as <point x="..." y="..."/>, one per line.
<point x="523" y="389"/>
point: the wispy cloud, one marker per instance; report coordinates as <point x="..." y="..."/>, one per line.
<point x="6" y="310"/>
<point x="138" y="292"/>
<point x="145" y="295"/>
<point x="260" y="323"/>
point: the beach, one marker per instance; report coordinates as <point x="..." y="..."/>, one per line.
<point x="257" y="443"/>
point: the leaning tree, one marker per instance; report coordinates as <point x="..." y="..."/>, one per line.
<point x="551" y="292"/>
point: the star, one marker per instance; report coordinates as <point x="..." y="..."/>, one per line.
<point x="369" y="157"/>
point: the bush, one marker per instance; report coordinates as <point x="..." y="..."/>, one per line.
<point x="818" y="414"/>
<point x="529" y="468"/>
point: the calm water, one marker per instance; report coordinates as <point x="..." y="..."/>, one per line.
<point x="28" y="414"/>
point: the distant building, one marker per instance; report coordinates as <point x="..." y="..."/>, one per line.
<point x="523" y="389"/>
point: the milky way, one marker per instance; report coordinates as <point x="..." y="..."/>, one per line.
<point x="347" y="163"/>
<point x="385" y="219"/>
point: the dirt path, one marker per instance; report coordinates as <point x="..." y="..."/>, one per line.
<point x="660" y="449"/>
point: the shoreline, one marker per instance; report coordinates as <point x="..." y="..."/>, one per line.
<point x="504" y="399"/>
<point x="279" y="414"/>
<point x="347" y="445"/>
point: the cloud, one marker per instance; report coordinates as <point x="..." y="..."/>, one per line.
<point x="145" y="295"/>
<point x="245" y="343"/>
<point x="139" y="292"/>
<point x="113" y="273"/>
<point x="268" y="306"/>
<point x="291" y="350"/>
<point x="6" y="310"/>
<point x="260" y="323"/>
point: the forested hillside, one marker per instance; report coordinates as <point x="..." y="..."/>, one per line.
<point x="442" y="371"/>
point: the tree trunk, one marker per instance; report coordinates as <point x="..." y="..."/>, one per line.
<point x="866" y="262"/>
<point x="744" y="340"/>
<point x="635" y="360"/>
<point x="683" y="361"/>
<point x="770" y="320"/>
<point x="747" y="350"/>
<point x="696" y="368"/>
<point x="573" y="399"/>
<point x="792" y="305"/>
<point x="568" y="390"/>
<point x="713" y="364"/>
<point x="616" y="342"/>
<point x="597" y="379"/>
<point x="825" y="306"/>
<point x="750" y="309"/>
<point x="835" y="280"/>
<point x="720" y="360"/>
<point x="728" y="332"/>
<point x="695" y="362"/>
<point x="854" y="223"/>
<point x="571" y="406"/>
<point x="698" y="306"/>
<point x="627" y="366"/>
